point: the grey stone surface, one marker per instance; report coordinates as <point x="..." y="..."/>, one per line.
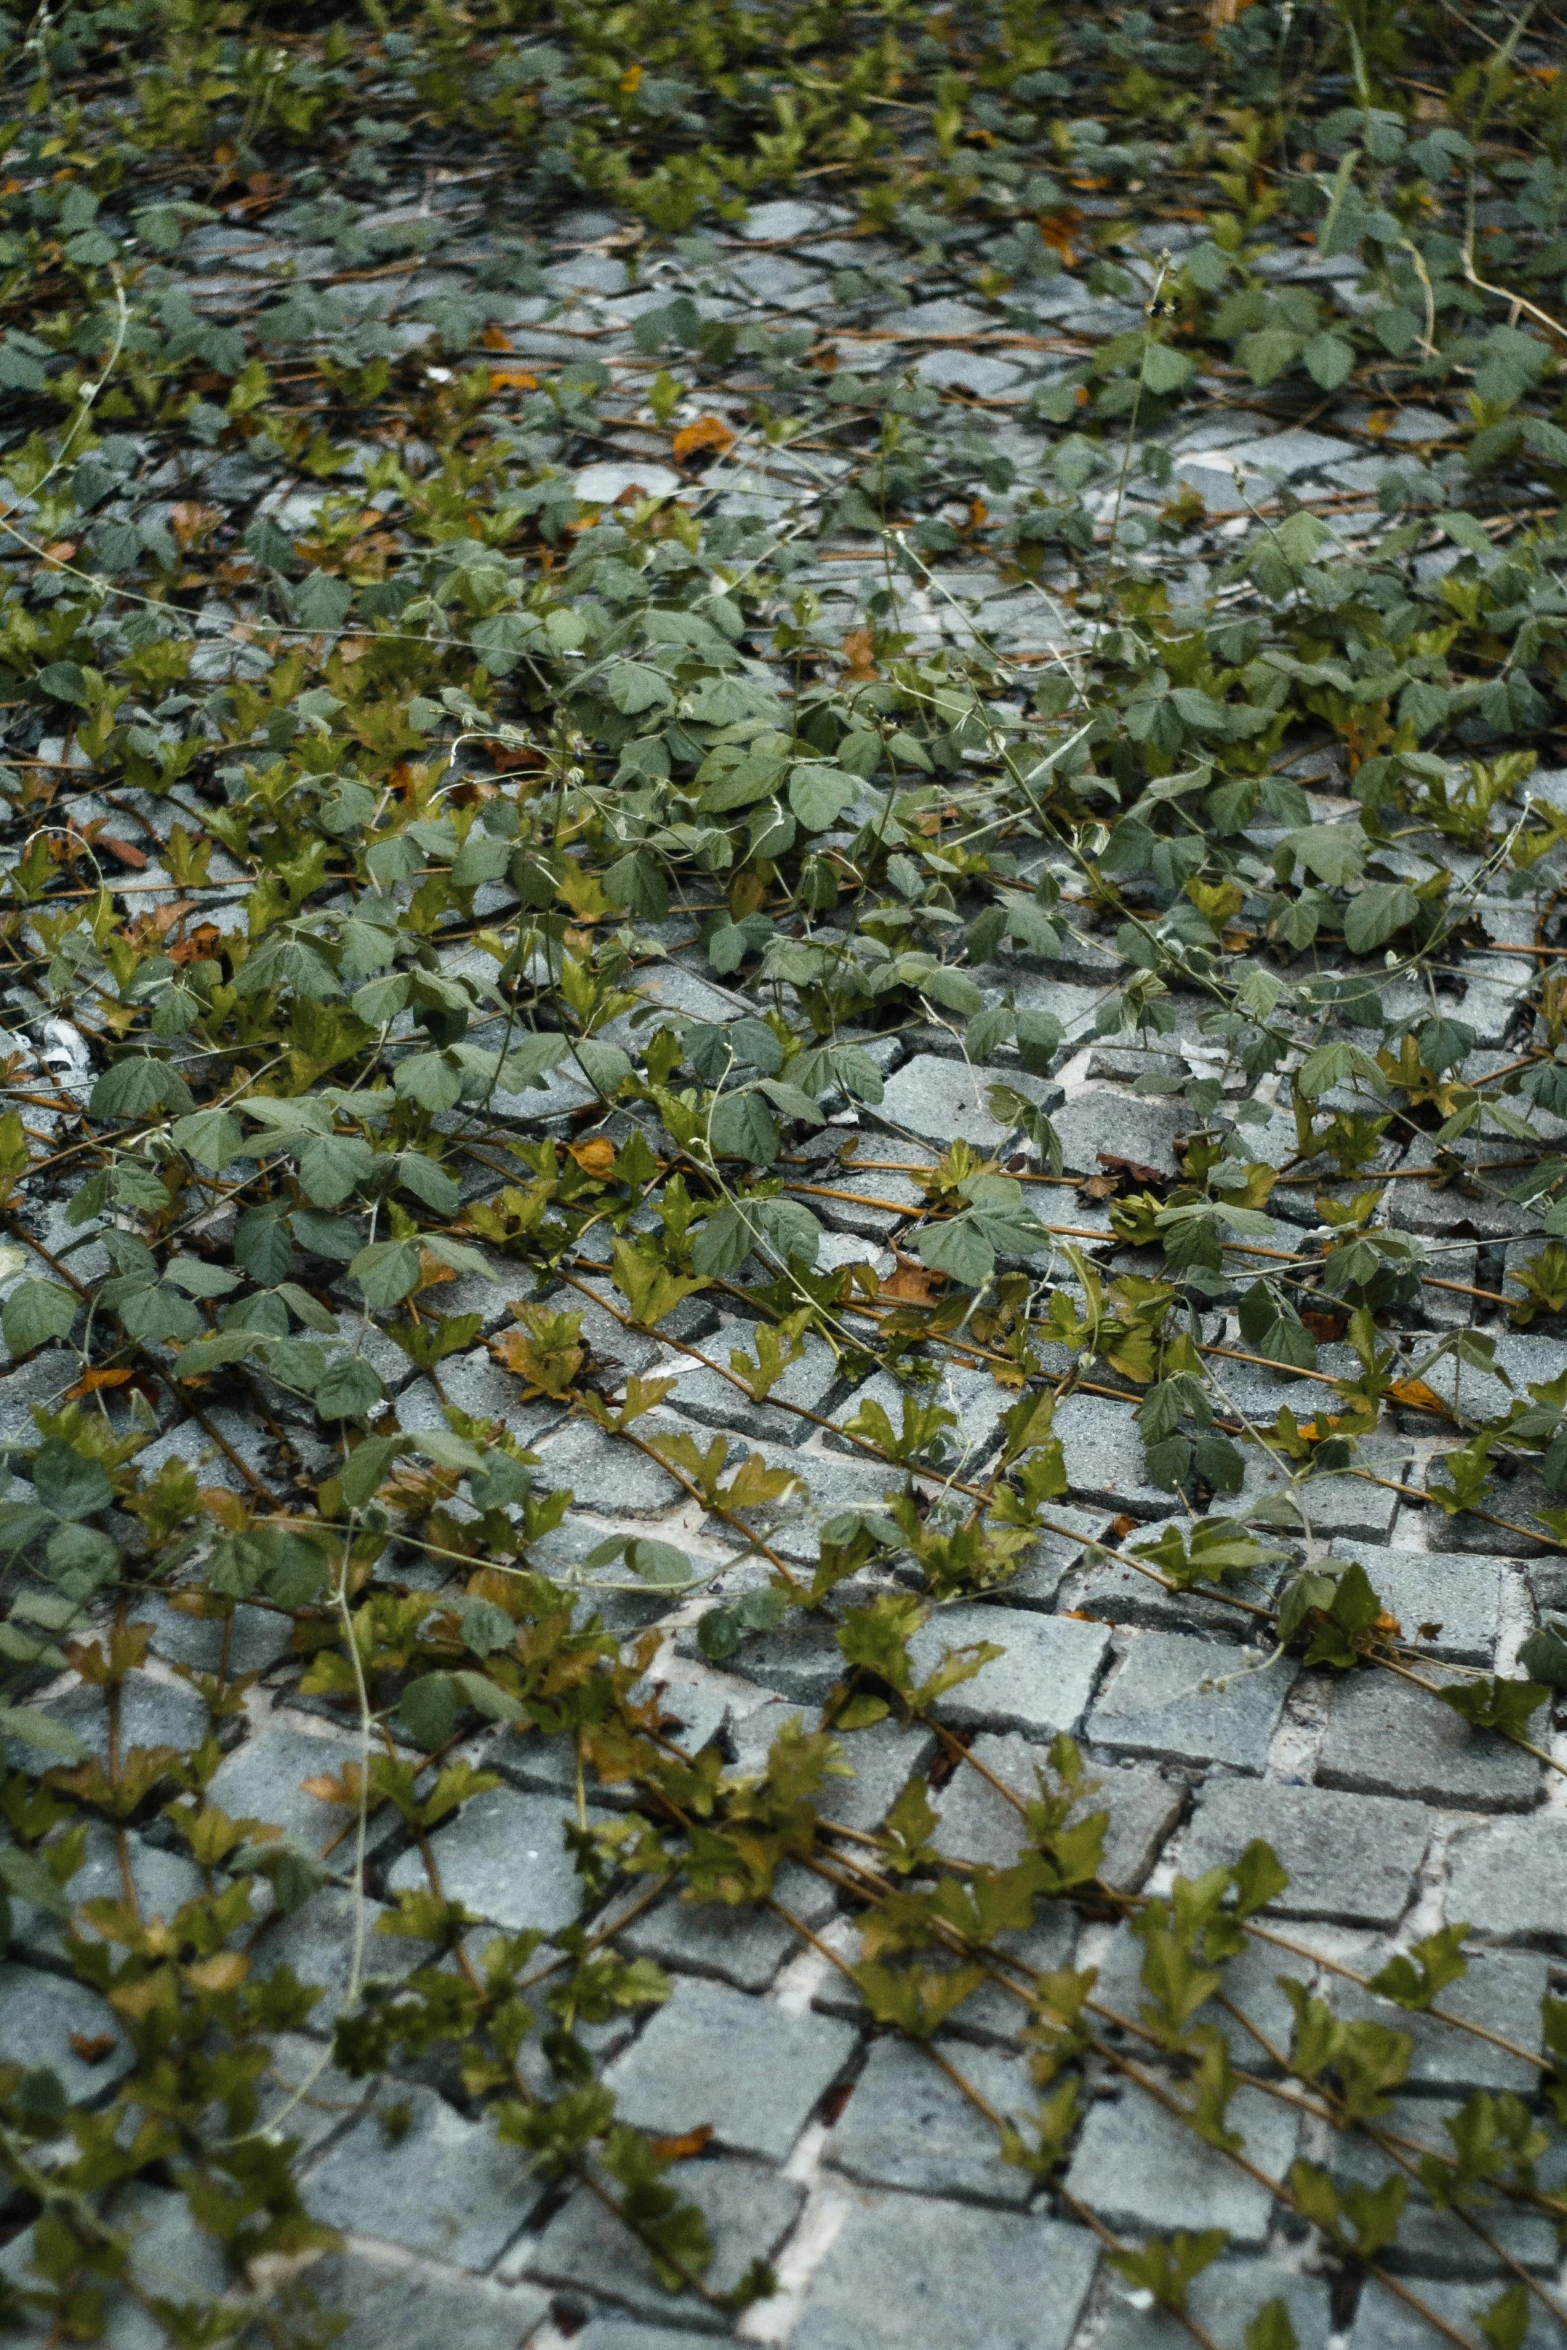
<point x="706" y="1395"/>
<point x="1351" y="1507"/>
<point x="1384" y="2322"/>
<point x="265" y="1780"/>
<point x="1354" y="1857"/>
<point x="258" y="1638"/>
<point x="1249" y="1985"/>
<point x="1043" y="1683"/>
<point x="398" y="2306"/>
<point x="1501" y="1993"/>
<point x="162" y="1880"/>
<point x="1387" y="1737"/>
<point x="914" y="2269"/>
<point x="979" y="1824"/>
<point x="1509" y="1880"/>
<point x="942" y="1100"/>
<point x="48" y="2019"/>
<point x="1448" y="1606"/>
<point x="318" y="1943"/>
<point x="907" y="2124"/>
<point x="746" y="2068"/>
<point x="607" y="1474"/>
<point x="504" y="1858"/>
<point x="1192" y="1701"/>
<point x="742" y="1945"/>
<point x="1103" y="1453"/>
<point x="1431" y="2241"/>
<point x="1224" y="2299"/>
<point x="414" y="2173"/>
<point x="1138" y="1128"/>
<point x="152" y="1713"/>
<point x="616" y="2333"/>
<point x="1140" y="2169"/>
<point x="585" y="2249"/>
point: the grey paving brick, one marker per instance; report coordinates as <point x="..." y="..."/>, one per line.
<point x="1140" y="2168"/>
<point x="1509" y="1880"/>
<point x="979" y="1824"/>
<point x="1192" y="1701"/>
<point x="1354" y="1857"/>
<point x="162" y="1879"/>
<point x="1038" y="1580"/>
<point x="908" y="2125"/>
<point x="607" y="1474"/>
<point x="745" y="2067"/>
<point x="1041" y="1685"/>
<point x="742" y="1945"/>
<point x="943" y="1099"/>
<point x="1449" y="1606"/>
<point x="1348" y="1506"/>
<point x="970" y="1395"/>
<point x="1224" y="2300"/>
<point x="152" y="1713"/>
<point x="912" y="2269"/>
<point x="1513" y="1504"/>
<point x="1116" y="1592"/>
<point x="318" y="1942"/>
<point x="39" y="2016"/>
<point x="705" y="1395"/>
<point x="1250" y="1984"/>
<point x="412" y="2172"/>
<point x="1387" y="1737"/>
<point x="265" y="1780"/>
<point x="1384" y="2322"/>
<point x="1501" y="1993"/>
<point x="403" y="2307"/>
<point x="504" y="1858"/>
<point x="1430" y="2242"/>
<point x="169" y="2256"/>
<point x="258" y="1638"/>
<point x="801" y="1659"/>
<point x="1103" y="1453"/>
<point x="749" y="2211"/>
<point x="1138" y="1127"/>
<point x="617" y="2333"/>
<point x="883" y="1759"/>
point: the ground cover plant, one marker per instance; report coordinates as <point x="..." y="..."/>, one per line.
<point x="785" y="1068"/>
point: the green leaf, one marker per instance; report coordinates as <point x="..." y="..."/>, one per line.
<point x="1166" y="371"/>
<point x="135" y="1087"/>
<point x="68" y="1483"/>
<point x="1329" y="360"/>
<point x="37" y="1311"/>
<point x="427" y="1710"/>
<point x="1376" y="912"/>
<point x="433" y="1080"/>
<point x="744" y="1128"/>
<point x="333" y="1165"/>
<point x="1335" y="853"/>
<point x="632" y="687"/>
<point x="959" y="1249"/>
<point x="348" y="1390"/>
<point x="819" y="794"/>
<point x="211" y="1137"/>
<point x="41" y="1731"/>
<point x="387" y="1271"/>
<point x="1494" y="1704"/>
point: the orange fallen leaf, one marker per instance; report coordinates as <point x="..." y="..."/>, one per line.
<point x="1418" y="1396"/>
<point x="93" y="2047"/>
<point x="910" y="1282"/>
<point x="91" y="1381"/>
<point x="59" y="552"/>
<point x="512" y="379"/>
<point x="135" y="858"/>
<point x="860" y="652"/>
<point x="708" y="432"/>
<point x="495" y="338"/>
<point x="681" y="2147"/>
<point x="595" y="1158"/>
